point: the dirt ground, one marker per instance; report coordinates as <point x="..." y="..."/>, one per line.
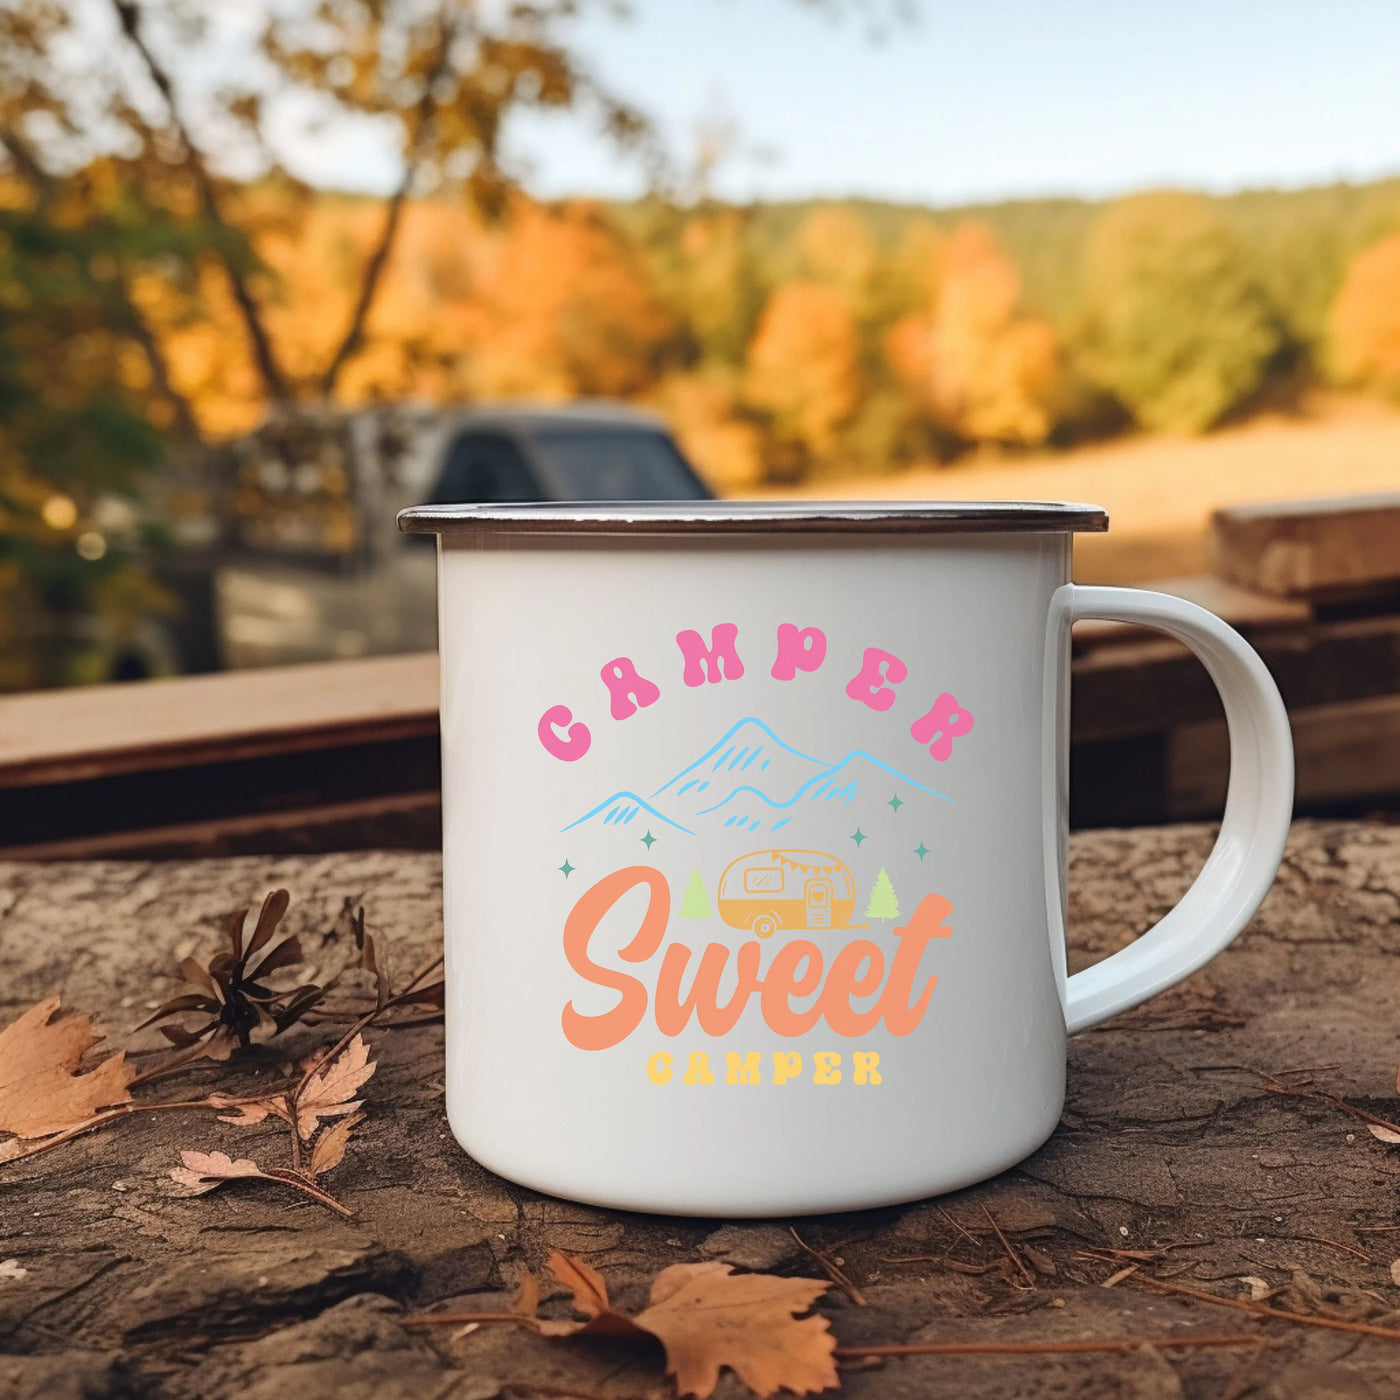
<point x="1159" y="491"/>
<point x="1170" y="1145"/>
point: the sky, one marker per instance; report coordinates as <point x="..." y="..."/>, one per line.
<point x="978" y="100"/>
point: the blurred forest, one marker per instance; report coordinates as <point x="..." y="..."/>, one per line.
<point x="791" y="341"/>
<point x="165" y="283"/>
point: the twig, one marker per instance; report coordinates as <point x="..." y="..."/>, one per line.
<point x="1337" y="1244"/>
<point x="961" y="1229"/>
<point x="944" y="1262"/>
<point x="1011" y="1253"/>
<point x="1227" y="1339"/>
<point x="1335" y="1324"/>
<point x="112" y="1115"/>
<point x="836" y="1275"/>
<point x="1114" y="1279"/>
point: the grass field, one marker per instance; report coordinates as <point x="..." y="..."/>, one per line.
<point x="1160" y="492"/>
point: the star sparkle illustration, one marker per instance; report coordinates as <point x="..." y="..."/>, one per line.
<point x="895" y="803"/>
<point x="858" y="837"/>
<point x="566" y="868"/>
<point x="648" y="839"/>
<point x="921" y="850"/>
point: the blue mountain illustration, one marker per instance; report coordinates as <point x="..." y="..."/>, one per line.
<point x="621" y="808"/>
<point x="749" y="753"/>
<point x="751" y="780"/>
<point x="751" y="809"/>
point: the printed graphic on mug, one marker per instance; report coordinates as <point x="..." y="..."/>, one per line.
<point x="786" y="920"/>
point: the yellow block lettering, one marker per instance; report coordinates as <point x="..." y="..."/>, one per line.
<point x="787" y="1064"/>
<point x="825" y="1071"/>
<point x="742" y="1071"/>
<point x="698" y="1071"/>
<point x="659" y="1068"/>
<point x="867" y="1064"/>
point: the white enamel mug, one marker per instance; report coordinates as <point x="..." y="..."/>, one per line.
<point x="754" y="843"/>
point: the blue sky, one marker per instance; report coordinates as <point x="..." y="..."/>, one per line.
<point x="981" y="99"/>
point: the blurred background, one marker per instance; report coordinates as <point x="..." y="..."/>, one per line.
<point x="272" y="269"/>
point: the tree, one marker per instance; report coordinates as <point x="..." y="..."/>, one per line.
<point x="1178" y="325"/>
<point x="980" y="368"/>
<point x="883" y="903"/>
<point x="695" y="902"/>
<point x="1364" y="322"/>
<point x="804" y="367"/>
<point x="78" y="439"/>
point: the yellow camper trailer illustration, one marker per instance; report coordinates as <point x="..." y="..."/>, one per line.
<point x="768" y="890"/>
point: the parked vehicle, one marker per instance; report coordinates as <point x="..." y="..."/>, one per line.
<point x="770" y="890"/>
<point x="316" y="567"/>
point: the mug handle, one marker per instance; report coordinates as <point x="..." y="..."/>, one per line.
<point x="1258" y="804"/>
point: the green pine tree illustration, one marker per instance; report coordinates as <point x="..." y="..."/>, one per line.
<point x="695" y="903"/>
<point x="883" y="903"/>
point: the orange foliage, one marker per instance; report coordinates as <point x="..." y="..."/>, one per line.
<point x="563" y="311"/>
<point x="804" y="364"/>
<point x="1364" y="322"/>
<point x="979" y="368"/>
<point x="704" y="413"/>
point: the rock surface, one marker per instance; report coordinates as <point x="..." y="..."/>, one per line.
<point x="1171" y="1144"/>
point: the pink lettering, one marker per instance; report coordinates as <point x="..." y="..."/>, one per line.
<point x="718" y="661"/>
<point x="628" y="690"/>
<point x="569" y="746"/>
<point x="945" y="722"/>
<point x="868" y="685"/>
<point x="802" y="650"/>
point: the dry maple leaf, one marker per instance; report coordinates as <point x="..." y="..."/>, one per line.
<point x="707" y="1317"/>
<point x="329" y="1092"/>
<point x="41" y="1090"/>
<point x="203" y="1171"/>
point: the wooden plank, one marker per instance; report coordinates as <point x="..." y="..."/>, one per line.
<point x="97" y="731"/>
<point x="1310" y="549"/>
<point x="403" y="821"/>
<point x="1347" y="752"/>
<point x="1146" y="687"/>
<point x="1240" y="607"/>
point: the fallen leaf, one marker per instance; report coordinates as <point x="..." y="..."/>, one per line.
<point x="1395" y="1272"/>
<point x="203" y="1171"/>
<point x="330" y="1147"/>
<point x="707" y="1317"/>
<point x="1385" y="1134"/>
<point x="41" y="1090"/>
<point x="329" y="1093"/>
<point x="1258" y="1288"/>
<point x="248" y="1113"/>
<point x="12" y="1270"/>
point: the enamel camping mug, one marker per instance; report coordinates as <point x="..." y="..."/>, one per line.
<point x="754" y="824"/>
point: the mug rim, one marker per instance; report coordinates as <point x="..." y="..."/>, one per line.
<point x="754" y="517"/>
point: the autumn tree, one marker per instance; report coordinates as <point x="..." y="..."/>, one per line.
<point x="979" y="366"/>
<point x="1363" y="324"/>
<point x="77" y="440"/>
<point x="563" y="309"/>
<point x="1178" y="325"/>
<point x="804" y="367"/>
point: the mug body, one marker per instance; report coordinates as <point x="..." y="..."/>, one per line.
<point x="745" y="855"/>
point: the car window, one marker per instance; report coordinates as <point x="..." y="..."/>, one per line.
<point x="485" y="467"/>
<point x="603" y="464"/>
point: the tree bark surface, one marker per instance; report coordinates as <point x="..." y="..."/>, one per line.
<point x="1171" y="1144"/>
